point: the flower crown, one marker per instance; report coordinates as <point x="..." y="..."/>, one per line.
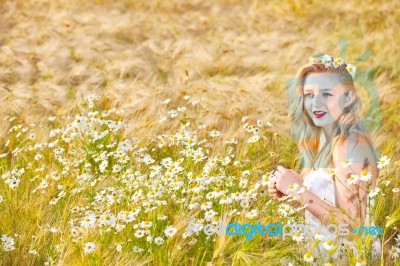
<point x="329" y="61"/>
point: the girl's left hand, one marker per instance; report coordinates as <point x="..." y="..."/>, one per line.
<point x="285" y="178"/>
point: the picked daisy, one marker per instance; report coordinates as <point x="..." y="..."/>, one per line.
<point x="352" y="179"/>
<point x="383" y="161"/>
<point x="347" y="162"/>
<point x="292" y="188"/>
<point x="374" y="192"/>
<point x="365" y="176"/>
<point x="395" y="190"/>
<point x="332" y="171"/>
<point x="328" y="244"/>
<point x="308" y="257"/>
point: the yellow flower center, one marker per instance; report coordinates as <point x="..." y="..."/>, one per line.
<point x="364" y="173"/>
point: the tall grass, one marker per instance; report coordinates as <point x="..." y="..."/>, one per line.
<point x="221" y="61"/>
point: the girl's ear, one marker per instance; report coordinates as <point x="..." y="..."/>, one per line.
<point x="348" y="98"/>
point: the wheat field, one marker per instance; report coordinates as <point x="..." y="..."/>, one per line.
<point x="121" y="121"/>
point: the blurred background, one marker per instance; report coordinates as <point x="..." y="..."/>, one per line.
<point x="234" y="57"/>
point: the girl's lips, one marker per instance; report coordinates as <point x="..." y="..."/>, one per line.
<point x="319" y="114"/>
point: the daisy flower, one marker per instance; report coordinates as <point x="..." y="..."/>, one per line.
<point x="360" y="262"/>
<point x="397" y="238"/>
<point x="159" y="241"/>
<point x="319" y="236"/>
<point x="365" y="176"/>
<point x="265" y="180"/>
<point x="89" y="247"/>
<point x="308" y="257"/>
<point x="326" y="59"/>
<point x="383" y="161"/>
<point x="352" y="179"/>
<point x="394" y="252"/>
<point x="7" y="243"/>
<point x="292" y="188"/>
<point x="338" y="61"/>
<point x="139" y="233"/>
<point x="170" y="231"/>
<point x="298" y="236"/>
<point x="351" y="69"/>
<point x="252" y="214"/>
<point x="332" y="171"/>
<point x="396" y="189"/>
<point x="347" y="162"/>
<point x="253" y="139"/>
<point x="374" y="192"/>
<point x="89" y="221"/>
<point x="328" y="244"/>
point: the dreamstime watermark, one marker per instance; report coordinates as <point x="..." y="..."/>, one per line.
<point x="280" y="230"/>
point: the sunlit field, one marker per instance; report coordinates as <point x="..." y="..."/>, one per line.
<point x="122" y="121"/>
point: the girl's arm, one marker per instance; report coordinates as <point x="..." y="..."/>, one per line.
<point x="351" y="198"/>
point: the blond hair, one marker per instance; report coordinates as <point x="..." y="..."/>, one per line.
<point x="305" y="131"/>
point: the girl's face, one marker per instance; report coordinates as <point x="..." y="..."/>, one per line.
<point x="324" y="98"/>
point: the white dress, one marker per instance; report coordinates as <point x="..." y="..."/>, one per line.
<point x="321" y="184"/>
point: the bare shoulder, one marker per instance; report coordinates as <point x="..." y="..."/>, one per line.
<point x="356" y="147"/>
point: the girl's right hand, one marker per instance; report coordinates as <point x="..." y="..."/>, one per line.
<point x="274" y="192"/>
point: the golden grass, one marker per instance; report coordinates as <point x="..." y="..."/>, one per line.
<point x="233" y="56"/>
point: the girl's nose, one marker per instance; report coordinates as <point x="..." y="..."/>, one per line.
<point x="318" y="100"/>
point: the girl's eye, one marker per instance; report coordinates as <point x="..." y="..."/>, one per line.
<point x="308" y="95"/>
<point x="325" y="94"/>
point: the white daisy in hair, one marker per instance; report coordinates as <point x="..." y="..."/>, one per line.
<point x="351" y="69"/>
<point x="338" y="62"/>
<point x="326" y="60"/>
